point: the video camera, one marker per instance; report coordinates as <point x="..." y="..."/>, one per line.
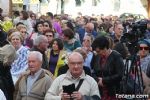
<point x="136" y="33"/>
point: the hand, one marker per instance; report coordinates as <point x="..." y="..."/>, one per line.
<point x="100" y="82"/>
<point x="77" y="95"/>
<point x="65" y="96"/>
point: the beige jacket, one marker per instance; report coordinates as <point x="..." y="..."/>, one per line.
<point x="39" y="88"/>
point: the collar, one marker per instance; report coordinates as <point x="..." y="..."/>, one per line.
<point x="36" y="74"/>
<point x="69" y="76"/>
<point x="20" y="48"/>
<point x="35" y="48"/>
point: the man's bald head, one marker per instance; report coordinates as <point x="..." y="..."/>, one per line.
<point x="75" y="64"/>
<point x="89" y="27"/>
<point x="74" y="54"/>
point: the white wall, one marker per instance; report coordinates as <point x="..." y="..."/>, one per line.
<point x="105" y="7"/>
<point x="4" y="4"/>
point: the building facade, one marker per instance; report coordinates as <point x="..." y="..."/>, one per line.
<point x="87" y="7"/>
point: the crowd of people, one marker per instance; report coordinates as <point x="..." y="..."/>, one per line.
<point x="56" y="57"/>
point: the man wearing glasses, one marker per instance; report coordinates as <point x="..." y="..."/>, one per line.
<point x="75" y="84"/>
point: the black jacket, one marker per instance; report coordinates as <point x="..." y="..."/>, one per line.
<point x="111" y="73"/>
<point x="6" y="82"/>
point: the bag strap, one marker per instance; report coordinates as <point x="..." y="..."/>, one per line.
<point x="30" y="35"/>
<point x="79" y="85"/>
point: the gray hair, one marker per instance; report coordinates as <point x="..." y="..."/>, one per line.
<point x="37" y="54"/>
<point x="38" y="40"/>
<point x="16" y="33"/>
<point x="7" y="54"/>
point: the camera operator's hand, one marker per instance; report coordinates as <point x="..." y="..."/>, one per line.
<point x="65" y="96"/>
<point x="77" y="96"/>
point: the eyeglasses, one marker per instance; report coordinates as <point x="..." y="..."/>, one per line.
<point x="145" y="48"/>
<point x="49" y="35"/>
<point x="24" y="32"/>
<point x="46" y="25"/>
<point x="76" y="63"/>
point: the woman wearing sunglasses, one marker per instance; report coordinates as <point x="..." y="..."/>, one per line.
<point x="144" y="47"/>
<point x="50" y="36"/>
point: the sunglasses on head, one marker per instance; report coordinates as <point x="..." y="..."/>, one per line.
<point x="145" y="48"/>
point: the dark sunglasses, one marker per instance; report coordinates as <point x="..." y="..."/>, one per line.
<point x="145" y="48"/>
<point x="46" y="25"/>
<point x="24" y="32"/>
<point x="49" y="35"/>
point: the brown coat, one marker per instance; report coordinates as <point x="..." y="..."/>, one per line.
<point x="39" y="88"/>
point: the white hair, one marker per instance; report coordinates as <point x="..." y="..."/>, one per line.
<point x="38" y="40"/>
<point x="37" y="54"/>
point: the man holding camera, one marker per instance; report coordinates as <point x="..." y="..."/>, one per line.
<point x="75" y="84"/>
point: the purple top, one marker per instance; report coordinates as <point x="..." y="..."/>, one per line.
<point x="53" y="61"/>
<point x="57" y="27"/>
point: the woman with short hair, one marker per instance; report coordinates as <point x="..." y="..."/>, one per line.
<point x="20" y="64"/>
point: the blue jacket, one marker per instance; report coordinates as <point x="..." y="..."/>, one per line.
<point x="81" y="32"/>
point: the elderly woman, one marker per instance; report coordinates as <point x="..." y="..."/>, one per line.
<point x="55" y="56"/>
<point x="20" y="64"/>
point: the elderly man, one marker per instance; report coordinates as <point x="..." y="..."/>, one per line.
<point x="41" y="44"/>
<point x="88" y="29"/>
<point x="34" y="85"/>
<point x="75" y="84"/>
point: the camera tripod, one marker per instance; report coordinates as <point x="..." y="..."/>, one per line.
<point x="133" y="68"/>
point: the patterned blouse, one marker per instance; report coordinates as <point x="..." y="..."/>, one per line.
<point x="20" y="64"/>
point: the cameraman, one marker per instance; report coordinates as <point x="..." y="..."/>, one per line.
<point x="147" y="33"/>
